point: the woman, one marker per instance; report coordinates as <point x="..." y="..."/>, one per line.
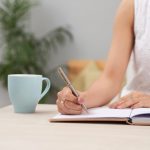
<point x="130" y="43"/>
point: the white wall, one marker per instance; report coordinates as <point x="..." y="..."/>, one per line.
<point x="90" y="21"/>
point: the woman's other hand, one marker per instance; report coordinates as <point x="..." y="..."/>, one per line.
<point x="133" y="100"/>
<point x="67" y="103"/>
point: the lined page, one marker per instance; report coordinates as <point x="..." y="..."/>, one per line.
<point x="99" y="113"/>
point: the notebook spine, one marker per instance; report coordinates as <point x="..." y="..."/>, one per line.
<point x="129" y="121"/>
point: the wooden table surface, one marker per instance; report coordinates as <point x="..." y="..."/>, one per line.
<point x="34" y="132"/>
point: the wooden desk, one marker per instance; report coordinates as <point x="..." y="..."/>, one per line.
<point x="34" y="132"/>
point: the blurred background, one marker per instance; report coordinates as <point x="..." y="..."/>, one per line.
<point x="73" y="33"/>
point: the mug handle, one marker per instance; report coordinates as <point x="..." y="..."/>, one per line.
<point x="47" y="87"/>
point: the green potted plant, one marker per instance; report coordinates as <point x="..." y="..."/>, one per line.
<point x="22" y="51"/>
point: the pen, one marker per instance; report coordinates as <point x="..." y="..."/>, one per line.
<point x="66" y="80"/>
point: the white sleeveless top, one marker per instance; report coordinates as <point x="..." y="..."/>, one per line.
<point x="138" y="73"/>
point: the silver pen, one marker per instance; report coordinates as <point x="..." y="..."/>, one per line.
<point x="65" y="78"/>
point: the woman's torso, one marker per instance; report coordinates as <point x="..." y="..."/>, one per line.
<point x="138" y="74"/>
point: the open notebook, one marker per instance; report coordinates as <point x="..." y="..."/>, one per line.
<point x="140" y="116"/>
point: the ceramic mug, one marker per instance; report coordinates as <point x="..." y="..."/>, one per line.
<point x="25" y="91"/>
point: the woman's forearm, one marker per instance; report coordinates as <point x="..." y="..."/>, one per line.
<point x="100" y="93"/>
<point x="107" y="87"/>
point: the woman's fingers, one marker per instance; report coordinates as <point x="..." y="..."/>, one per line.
<point x="60" y="107"/>
<point x="73" y="106"/>
<point x="66" y="108"/>
<point x="118" y="103"/>
<point x="137" y="105"/>
<point x="136" y="100"/>
<point x="145" y="103"/>
<point x="115" y="104"/>
<point x="66" y="94"/>
<point x="126" y="102"/>
<point x="67" y="103"/>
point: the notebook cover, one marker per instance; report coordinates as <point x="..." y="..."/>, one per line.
<point x="90" y="120"/>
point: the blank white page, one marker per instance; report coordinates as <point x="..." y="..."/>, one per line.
<point x="98" y="113"/>
<point x="140" y="111"/>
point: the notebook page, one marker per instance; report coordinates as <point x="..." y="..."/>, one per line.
<point x="99" y="113"/>
<point x="140" y="111"/>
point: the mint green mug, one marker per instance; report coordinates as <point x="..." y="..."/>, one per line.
<point x="25" y="91"/>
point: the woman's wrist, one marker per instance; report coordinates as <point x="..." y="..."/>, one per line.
<point x="99" y="94"/>
<point x="92" y="98"/>
<point x="88" y="98"/>
<point x="84" y="99"/>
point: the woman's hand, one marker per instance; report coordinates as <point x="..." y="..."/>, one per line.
<point x="133" y="100"/>
<point x="67" y="103"/>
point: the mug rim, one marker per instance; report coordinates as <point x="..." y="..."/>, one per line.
<point x="24" y="75"/>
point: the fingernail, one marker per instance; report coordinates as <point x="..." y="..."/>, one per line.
<point x="110" y="106"/>
<point x="119" y="107"/>
<point x="81" y="101"/>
